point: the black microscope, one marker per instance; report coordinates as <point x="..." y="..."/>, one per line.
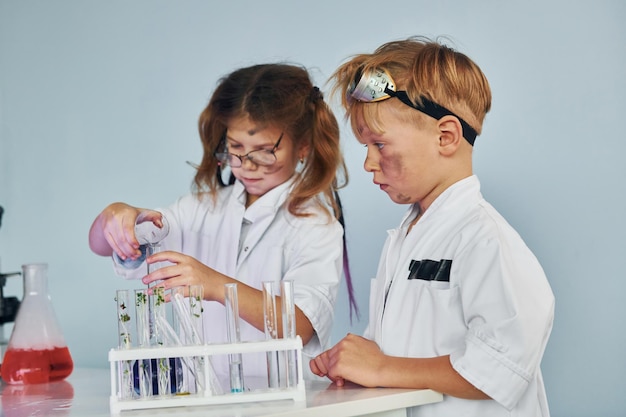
<point x="8" y="305"/>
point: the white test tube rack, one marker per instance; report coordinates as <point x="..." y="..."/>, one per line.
<point x="296" y="393"/>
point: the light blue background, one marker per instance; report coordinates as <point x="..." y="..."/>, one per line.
<point x="99" y="102"/>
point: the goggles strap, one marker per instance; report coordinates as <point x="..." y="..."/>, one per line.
<point x="434" y="110"/>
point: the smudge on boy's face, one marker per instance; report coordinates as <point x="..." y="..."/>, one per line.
<point x="392" y="165"/>
<point x="395" y="170"/>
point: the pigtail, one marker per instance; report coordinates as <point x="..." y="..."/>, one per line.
<point x="324" y="162"/>
<point x="325" y="165"/>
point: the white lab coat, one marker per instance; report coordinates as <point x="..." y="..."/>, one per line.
<point x="493" y="317"/>
<point x="277" y="246"/>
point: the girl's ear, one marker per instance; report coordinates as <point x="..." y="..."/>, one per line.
<point x="303" y="152"/>
<point x="450" y="134"/>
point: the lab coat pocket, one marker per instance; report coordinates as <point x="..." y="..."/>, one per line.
<point x="443" y="296"/>
<point x="439" y="285"/>
<point x="416" y="314"/>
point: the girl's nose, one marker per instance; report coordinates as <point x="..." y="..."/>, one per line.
<point x="248" y="164"/>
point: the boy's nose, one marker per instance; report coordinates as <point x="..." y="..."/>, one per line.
<point x="371" y="161"/>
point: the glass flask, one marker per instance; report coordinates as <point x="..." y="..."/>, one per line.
<point x="148" y="235"/>
<point x="37" y="352"/>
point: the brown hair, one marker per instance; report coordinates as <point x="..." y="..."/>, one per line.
<point x="280" y="95"/>
<point x="423" y="68"/>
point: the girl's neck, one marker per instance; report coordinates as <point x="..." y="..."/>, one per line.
<point x="250" y="199"/>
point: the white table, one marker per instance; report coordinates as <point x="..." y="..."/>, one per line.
<point x="86" y="393"/>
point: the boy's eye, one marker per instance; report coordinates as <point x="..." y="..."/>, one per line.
<point x="379" y="145"/>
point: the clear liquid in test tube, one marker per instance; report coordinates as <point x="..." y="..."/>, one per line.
<point x="271" y="332"/>
<point x="289" y="331"/>
<point x="161" y="327"/>
<point x="179" y="314"/>
<point x="151" y="249"/>
<point x="231" y="303"/>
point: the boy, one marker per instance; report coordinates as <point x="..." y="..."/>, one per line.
<point x="459" y="305"/>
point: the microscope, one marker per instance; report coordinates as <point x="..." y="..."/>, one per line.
<point x="8" y="305"/>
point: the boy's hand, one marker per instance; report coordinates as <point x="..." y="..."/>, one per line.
<point x="354" y="359"/>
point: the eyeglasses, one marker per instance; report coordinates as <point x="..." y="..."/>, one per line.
<point x="261" y="157"/>
<point x="377" y="85"/>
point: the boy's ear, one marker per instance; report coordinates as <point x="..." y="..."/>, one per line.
<point x="450" y="134"/>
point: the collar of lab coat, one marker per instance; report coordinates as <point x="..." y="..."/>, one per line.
<point x="261" y="213"/>
<point x="455" y="194"/>
<point x="268" y="203"/>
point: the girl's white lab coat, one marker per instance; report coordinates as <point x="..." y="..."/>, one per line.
<point x="493" y="317"/>
<point x="274" y="245"/>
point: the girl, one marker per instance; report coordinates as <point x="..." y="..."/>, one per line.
<point x="269" y="214"/>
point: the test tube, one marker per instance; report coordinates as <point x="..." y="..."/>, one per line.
<point x="271" y="332"/>
<point x="157" y="301"/>
<point x="142" y="314"/>
<point x="231" y="303"/>
<point x="289" y="330"/>
<point x="124" y="319"/>
<point x="196" y="294"/>
<point x="181" y="373"/>
<point x="124" y="323"/>
<point x="151" y="249"/>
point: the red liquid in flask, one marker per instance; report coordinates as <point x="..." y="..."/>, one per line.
<point x="37" y="352"/>
<point x="32" y="366"/>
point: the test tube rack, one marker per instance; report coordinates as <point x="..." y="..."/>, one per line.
<point x="296" y="393"/>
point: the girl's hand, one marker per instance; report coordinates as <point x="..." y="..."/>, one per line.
<point x="184" y="270"/>
<point x="114" y="231"/>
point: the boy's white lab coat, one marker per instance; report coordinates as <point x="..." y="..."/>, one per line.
<point x="274" y="245"/>
<point x="493" y="317"/>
